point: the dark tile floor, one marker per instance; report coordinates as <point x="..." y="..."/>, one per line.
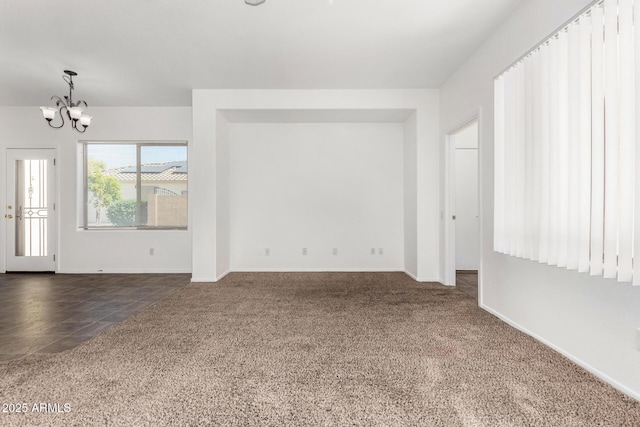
<point x="49" y="313"/>
<point x="467" y="282"/>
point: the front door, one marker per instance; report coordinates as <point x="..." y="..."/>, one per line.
<point x="30" y="210"/>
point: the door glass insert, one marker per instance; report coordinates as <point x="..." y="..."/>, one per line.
<point x="31" y="208"/>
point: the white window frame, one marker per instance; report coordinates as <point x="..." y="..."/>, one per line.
<point x="85" y="189"/>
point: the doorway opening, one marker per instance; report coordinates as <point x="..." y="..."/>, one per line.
<point x="463" y="201"/>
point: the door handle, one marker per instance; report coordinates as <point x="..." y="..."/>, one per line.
<point x="8" y="216"/>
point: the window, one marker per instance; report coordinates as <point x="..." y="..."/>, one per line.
<point x="567" y="165"/>
<point x="135" y="185"/>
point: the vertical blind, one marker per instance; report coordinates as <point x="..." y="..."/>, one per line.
<point x="567" y="147"/>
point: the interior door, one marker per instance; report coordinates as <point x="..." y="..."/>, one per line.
<point x="466" y="208"/>
<point x="30" y="215"/>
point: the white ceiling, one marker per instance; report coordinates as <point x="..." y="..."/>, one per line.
<point x="154" y="52"/>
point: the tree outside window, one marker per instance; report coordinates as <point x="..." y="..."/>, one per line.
<point x="104" y="190"/>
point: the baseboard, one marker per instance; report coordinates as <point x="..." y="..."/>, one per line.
<point x="421" y="279"/>
<point x="316" y="270"/>
<point x="123" y="271"/>
<point x="203" y="280"/>
<point x="604" y="377"/>
<point x="220" y="277"/>
<point x="411" y="275"/>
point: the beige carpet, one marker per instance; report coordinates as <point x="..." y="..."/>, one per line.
<point x="313" y="349"/>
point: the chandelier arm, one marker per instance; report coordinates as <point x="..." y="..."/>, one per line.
<point x="77" y="104"/>
<point x="59" y="101"/>
<point x="77" y="128"/>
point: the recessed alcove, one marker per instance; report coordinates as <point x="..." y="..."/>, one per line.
<point x="329" y="174"/>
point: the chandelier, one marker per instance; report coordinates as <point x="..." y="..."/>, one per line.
<point x="66" y="105"/>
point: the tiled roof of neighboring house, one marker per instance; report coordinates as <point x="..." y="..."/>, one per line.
<point x="171" y="171"/>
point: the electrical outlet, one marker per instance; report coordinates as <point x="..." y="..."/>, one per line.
<point x="151" y="251"/>
<point x="380" y="251"/>
<point x="304" y="251"/>
<point x="335" y="251"/>
<point x="373" y="251"/>
<point x="267" y="252"/>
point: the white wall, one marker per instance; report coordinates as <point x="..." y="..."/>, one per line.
<point x="318" y="186"/>
<point x="91" y="251"/>
<point x="465" y="184"/>
<point x="589" y="319"/>
<point x="223" y="183"/>
<point x="424" y="148"/>
<point x="411" y="196"/>
<point x="204" y="225"/>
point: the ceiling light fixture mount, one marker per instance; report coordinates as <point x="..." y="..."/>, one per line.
<point x="73" y="110"/>
<point x="254" y="2"/>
